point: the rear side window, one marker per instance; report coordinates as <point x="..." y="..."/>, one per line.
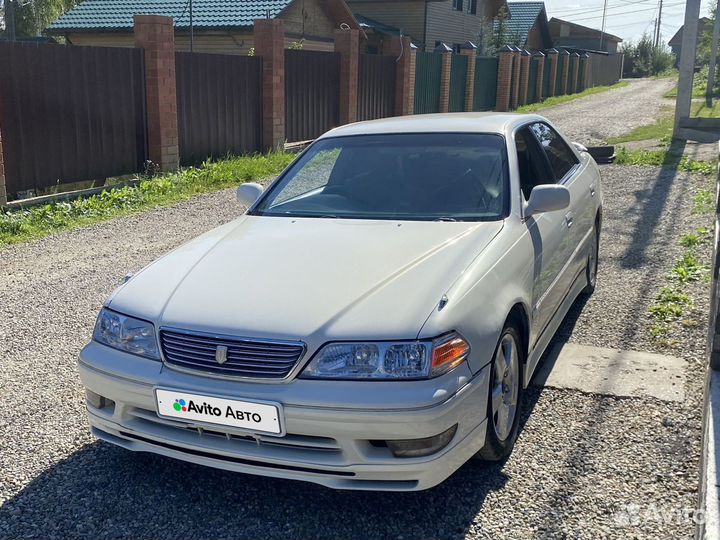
<point x="557" y="151"/>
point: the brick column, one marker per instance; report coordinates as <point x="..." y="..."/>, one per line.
<point x="155" y="34"/>
<point x="589" y="83"/>
<point x="540" y="75"/>
<point x="401" y="48"/>
<point x="524" y="77"/>
<point x="3" y="190"/>
<point x="565" y="61"/>
<point x="515" y="92"/>
<point x="445" y="82"/>
<point x="471" y="53"/>
<point x="552" y="57"/>
<point x="347" y="43"/>
<point x="504" y="79"/>
<point x="270" y="45"/>
<point x="583" y="71"/>
<point x="574" y="72"/>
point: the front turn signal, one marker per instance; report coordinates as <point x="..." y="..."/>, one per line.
<point x="448" y="351"/>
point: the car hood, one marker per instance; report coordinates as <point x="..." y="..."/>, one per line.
<point x="305" y="278"/>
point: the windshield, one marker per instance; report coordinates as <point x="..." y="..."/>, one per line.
<point x="422" y="176"/>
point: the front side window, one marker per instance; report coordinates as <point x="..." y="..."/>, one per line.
<point x="558" y="153"/>
<point x="532" y="164"/>
<point x="422" y="176"/>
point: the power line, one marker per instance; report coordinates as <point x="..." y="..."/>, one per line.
<point x="627" y="12"/>
<point x="582" y="11"/>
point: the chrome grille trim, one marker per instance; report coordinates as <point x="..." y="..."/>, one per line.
<point x="246" y="358"/>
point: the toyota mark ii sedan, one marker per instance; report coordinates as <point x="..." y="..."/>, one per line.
<point x="372" y="319"/>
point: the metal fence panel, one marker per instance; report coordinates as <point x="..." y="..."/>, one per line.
<point x="376" y="86"/>
<point x="70" y="114"/>
<point x="312" y="93"/>
<point x="547" y="78"/>
<point x="219" y="102"/>
<point x="605" y="69"/>
<point x="485" y="95"/>
<point x="458" y="80"/>
<point x="532" y="79"/>
<point x="428" y="70"/>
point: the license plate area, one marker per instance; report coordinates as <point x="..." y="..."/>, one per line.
<point x="260" y="417"/>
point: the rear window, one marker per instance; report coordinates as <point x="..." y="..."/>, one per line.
<point x="423" y="176"/>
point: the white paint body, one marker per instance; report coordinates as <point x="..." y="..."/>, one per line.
<point x="322" y="280"/>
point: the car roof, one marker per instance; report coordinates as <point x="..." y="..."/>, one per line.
<point x="484" y="122"/>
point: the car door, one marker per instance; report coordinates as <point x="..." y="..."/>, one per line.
<point x="548" y="231"/>
<point x="567" y="171"/>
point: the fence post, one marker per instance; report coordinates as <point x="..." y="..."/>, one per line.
<point x="470" y="50"/>
<point x="506" y="56"/>
<point x="155" y="35"/>
<point x="552" y="57"/>
<point x="270" y="45"/>
<point x="3" y="189"/>
<point x="589" y="83"/>
<point x="347" y="43"/>
<point x="515" y="82"/>
<point x="402" y="50"/>
<point x="445" y="81"/>
<point x="565" y="59"/>
<point x="540" y="76"/>
<point x="574" y="72"/>
<point x="524" y="77"/>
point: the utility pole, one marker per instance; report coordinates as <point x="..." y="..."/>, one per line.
<point x="713" y="59"/>
<point x="602" y="31"/>
<point x="10" y="19"/>
<point x="659" y="22"/>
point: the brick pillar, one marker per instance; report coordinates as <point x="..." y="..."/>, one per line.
<point x="401" y="48"/>
<point x="270" y="45"/>
<point x="589" y="83"/>
<point x="565" y="61"/>
<point x="471" y="54"/>
<point x="552" y="57"/>
<point x="504" y="79"/>
<point x="445" y="82"/>
<point x="583" y="72"/>
<point x="155" y="34"/>
<point x="524" y="76"/>
<point x="574" y="72"/>
<point x="3" y="190"/>
<point x="540" y="75"/>
<point x="515" y="92"/>
<point x="347" y="43"/>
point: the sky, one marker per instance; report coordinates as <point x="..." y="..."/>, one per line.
<point x="627" y="19"/>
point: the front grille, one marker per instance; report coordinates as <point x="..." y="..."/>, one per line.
<point x="245" y="357"/>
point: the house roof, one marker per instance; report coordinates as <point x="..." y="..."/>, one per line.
<point x="117" y="15"/>
<point x="522" y="18"/>
<point x="703" y="23"/>
<point x="578" y="30"/>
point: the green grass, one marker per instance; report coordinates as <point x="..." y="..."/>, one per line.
<point x="660" y="130"/>
<point x="625" y="156"/>
<point x="704" y="202"/>
<point x="38" y="221"/>
<point x="557" y="100"/>
<point x="700" y="110"/>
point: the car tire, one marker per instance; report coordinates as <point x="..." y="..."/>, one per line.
<point x="592" y="263"/>
<point x="504" y="395"/>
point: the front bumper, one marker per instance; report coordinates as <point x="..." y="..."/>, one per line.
<point x="326" y="443"/>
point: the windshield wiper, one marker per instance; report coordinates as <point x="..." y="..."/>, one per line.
<point x="445" y="219"/>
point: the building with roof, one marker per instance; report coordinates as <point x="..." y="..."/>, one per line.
<point x="218" y="26"/>
<point x="577" y="36"/>
<point x="432" y="23"/>
<point x="527" y="25"/>
<point x="675" y="42"/>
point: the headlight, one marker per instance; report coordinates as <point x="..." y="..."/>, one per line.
<point x="126" y="334"/>
<point x="388" y="360"/>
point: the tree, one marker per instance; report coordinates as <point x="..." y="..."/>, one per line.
<point x="34" y="16"/>
<point x="645" y="58"/>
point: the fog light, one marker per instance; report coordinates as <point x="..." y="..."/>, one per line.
<point x="422" y="447"/>
<point x="96" y="400"/>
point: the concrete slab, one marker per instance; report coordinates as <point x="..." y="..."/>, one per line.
<point x="597" y="370"/>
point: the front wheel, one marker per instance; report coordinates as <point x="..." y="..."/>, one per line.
<point x="504" y="399"/>
<point x="592" y="263"/>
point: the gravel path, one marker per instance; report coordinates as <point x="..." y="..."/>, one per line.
<point x="593" y="119"/>
<point x="580" y="460"/>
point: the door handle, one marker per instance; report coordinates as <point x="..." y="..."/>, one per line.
<point x="569" y="219"/>
<point x="592" y="190"/>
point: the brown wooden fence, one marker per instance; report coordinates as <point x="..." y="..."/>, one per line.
<point x="376" y="86"/>
<point x="70" y="114"/>
<point x="219" y="105"/>
<point x="312" y="93"/>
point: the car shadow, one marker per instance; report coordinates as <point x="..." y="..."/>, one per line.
<point x="102" y="491"/>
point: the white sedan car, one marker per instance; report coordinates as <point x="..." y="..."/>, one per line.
<point x="373" y="318"/>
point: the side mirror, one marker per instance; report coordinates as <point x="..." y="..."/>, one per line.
<point x="580" y="147"/>
<point x="547" y="198"/>
<point x="248" y="193"/>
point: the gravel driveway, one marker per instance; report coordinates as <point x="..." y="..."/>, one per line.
<point x="579" y="461"/>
